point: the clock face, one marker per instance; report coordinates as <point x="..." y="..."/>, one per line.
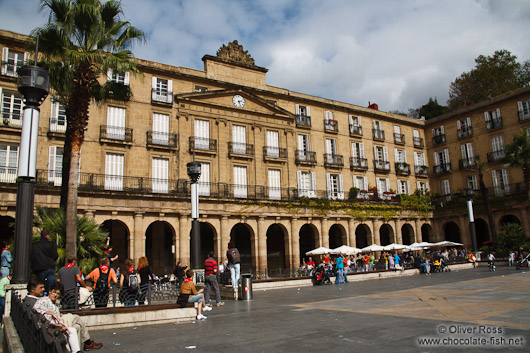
<point x="238" y="101"/>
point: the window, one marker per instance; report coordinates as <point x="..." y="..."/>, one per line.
<point x="275" y="191"/>
<point x="240" y="182"/>
<point x="403" y="187"/>
<point x="118" y="77"/>
<point x="8" y="163"/>
<point x="306" y="184"/>
<point x="160" y="175"/>
<point x="471" y="182"/>
<point x="335" y="187"/>
<point x="383" y="185"/>
<point x="12" y="106"/>
<point x="442" y="162"/>
<point x="303" y="117"/>
<point x="418" y="141"/>
<point x="419" y="159"/>
<point x="360" y="182"/>
<point x="381" y="153"/>
<point x="203" y="184"/>
<point x="400" y="155"/>
<point x="116" y="123"/>
<point x="464" y="127"/>
<point x="493" y="119"/>
<point x="239" y="139"/>
<point x="378" y="130"/>
<point x="524" y="109"/>
<point x="329" y="123"/>
<point x="12" y="60"/>
<point x="302" y="110"/>
<point x="398" y="136"/>
<point x="160" y="129"/>
<point x="114" y="172"/>
<point x="438" y="135"/>
<point x="357" y="152"/>
<point x="55" y="165"/>
<point x="468" y="160"/>
<point x="497" y="148"/>
<point x="162" y="90"/>
<point x="303" y="148"/>
<point x="202" y="134"/>
<point x="355" y="125"/>
<point x="273" y="144"/>
<point x="331" y="151"/>
<point x="445" y="187"/>
<point x="423" y="186"/>
<point x="500" y="181"/>
<point x="57" y="117"/>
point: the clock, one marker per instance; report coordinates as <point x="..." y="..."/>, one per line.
<point x="239" y="101"/>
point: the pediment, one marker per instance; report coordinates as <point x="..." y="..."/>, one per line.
<point x="223" y="99"/>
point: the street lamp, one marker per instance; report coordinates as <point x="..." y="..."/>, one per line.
<point x="194" y="172"/>
<point x="469" y="193"/>
<point x="33" y="83"/>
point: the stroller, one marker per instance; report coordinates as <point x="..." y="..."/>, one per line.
<point x="320" y="276"/>
<point x="440" y="265"/>
<point x="521" y="262"/>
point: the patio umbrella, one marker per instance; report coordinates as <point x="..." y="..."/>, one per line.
<point x="395" y="247"/>
<point x="372" y="248"/>
<point x="319" y="251"/>
<point x="447" y="243"/>
<point x="345" y="250"/>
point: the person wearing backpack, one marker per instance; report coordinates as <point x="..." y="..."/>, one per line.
<point x="102" y="276"/>
<point x="129" y="283"/>
<point x="234" y="260"/>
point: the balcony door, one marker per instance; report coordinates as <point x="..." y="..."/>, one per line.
<point x="202" y="134"/>
<point x="239" y="139"/>
<point x="274" y="184"/>
<point x="203" y="185"/>
<point x="114" y="172"/>
<point x="240" y="182"/>
<point x="55" y="165"/>
<point x="160" y="129"/>
<point x="116" y="123"/>
<point x="160" y="174"/>
<point x="303" y="147"/>
<point x="331" y="150"/>
<point x="8" y="163"/>
<point x="273" y="144"/>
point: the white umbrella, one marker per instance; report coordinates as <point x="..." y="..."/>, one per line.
<point x="319" y="251"/>
<point x="345" y="250"/>
<point x="395" y="247"/>
<point x="372" y="248"/>
<point x="423" y="244"/>
<point x="447" y="243"/>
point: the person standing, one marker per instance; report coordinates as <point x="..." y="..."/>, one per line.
<point x="43" y="257"/>
<point x="144" y="270"/>
<point x="3" y="282"/>
<point x="340" y="270"/>
<point x="102" y="276"/>
<point x="7" y="259"/>
<point x="69" y="276"/>
<point x="234" y="260"/>
<point x="129" y="283"/>
<point x="210" y="271"/>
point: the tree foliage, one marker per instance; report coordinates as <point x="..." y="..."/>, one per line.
<point x="511" y="237"/>
<point x="432" y="109"/>
<point x="518" y="155"/>
<point x="491" y="76"/>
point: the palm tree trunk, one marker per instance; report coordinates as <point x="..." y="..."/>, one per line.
<point x="71" y="202"/>
<point x="66" y="166"/>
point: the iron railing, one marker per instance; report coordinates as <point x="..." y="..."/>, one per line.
<point x="331" y="125"/>
<point x="10" y="68"/>
<point x="272" y="152"/>
<point x="438" y="139"/>
<point x="161" y="96"/>
<point x="468" y="162"/>
<point x="494" y="123"/>
<point x="524" y="115"/>
<point x="421" y="170"/>
<point x="378" y="134"/>
<point x="12" y="120"/>
<point x="357" y="163"/>
<point x="303" y="120"/>
<point x="465" y="132"/>
<point x="162" y="139"/>
<point x="8" y="174"/>
<point x="305" y="157"/>
<point x="381" y="166"/>
<point x="200" y="144"/>
<point x="402" y="168"/>
<point x="56" y="127"/>
<point x="356" y="130"/>
<point x="116" y="133"/>
<point x="399" y="139"/>
<point x="496" y="156"/>
<point x="442" y="168"/>
<point x="240" y="148"/>
<point x="333" y="160"/>
<point x="418" y="142"/>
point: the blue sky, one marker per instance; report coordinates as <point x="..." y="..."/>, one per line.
<point x="397" y="53"/>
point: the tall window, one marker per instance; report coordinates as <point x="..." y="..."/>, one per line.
<point x="8" y="163"/>
<point x="12" y="106"/>
<point x="335" y="188"/>
<point x="160" y="129"/>
<point x="360" y="182"/>
<point x="423" y="186"/>
<point x="239" y="139"/>
<point x="202" y="134"/>
<point x="464" y="127"/>
<point x="306" y="183"/>
<point x="355" y="125"/>
<point x="203" y="185"/>
<point x="57" y="117"/>
<point x="442" y="161"/>
<point x="524" y="109"/>
<point x="331" y="150"/>
<point x="12" y="60"/>
<point x="55" y="165"/>
<point x="119" y="77"/>
<point x="303" y="148"/>
<point x="116" y="123"/>
<point x="162" y="90"/>
<point x="400" y="156"/>
<point x="445" y="187"/>
<point x="275" y="191"/>
<point x="471" y="182"/>
<point x="468" y="159"/>
<point x="273" y="144"/>
<point x="383" y="185"/>
<point x="160" y="175"/>
<point x="403" y="187"/>
<point x="500" y="181"/>
<point x="419" y="159"/>
<point x="114" y="172"/>
<point x="240" y="182"/>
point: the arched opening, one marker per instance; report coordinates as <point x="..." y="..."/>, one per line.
<point x="241" y="235"/>
<point x="452" y="232"/>
<point x="426" y="232"/>
<point x="386" y="233"/>
<point x="7" y="224"/>
<point x="308" y="234"/>
<point x="482" y="231"/>
<point x="207" y="232"/>
<point x="159" y="247"/>
<point x="407" y="234"/>
<point x="275" y="247"/>
<point x="362" y="234"/>
<point x="119" y="240"/>
<point x="509" y="218"/>
<point x="337" y="236"/>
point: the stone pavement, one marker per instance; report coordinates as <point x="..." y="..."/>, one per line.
<point x="467" y="310"/>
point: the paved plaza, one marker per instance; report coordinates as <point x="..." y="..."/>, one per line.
<point x="468" y="310"/>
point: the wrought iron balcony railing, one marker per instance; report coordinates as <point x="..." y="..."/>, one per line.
<point x="56" y="126"/>
<point x="421" y="170"/>
<point x="402" y="168"/>
<point x="331" y="125"/>
<point x="161" y="96"/>
<point x="418" y="142"/>
<point x="356" y="130"/>
<point x="468" y="162"/>
<point x="378" y="134"/>
<point x="12" y="120"/>
<point x="162" y="139"/>
<point x="496" y="156"/>
<point x="240" y="148"/>
<point x="465" y="132"/>
<point x="524" y="115"/>
<point x="303" y="121"/>
<point x="438" y="139"/>
<point x="381" y="166"/>
<point x="494" y="123"/>
<point x="399" y="139"/>
<point x="357" y="163"/>
<point x="333" y="160"/>
<point x="202" y="144"/>
<point x="116" y="133"/>
<point x="305" y="157"/>
<point x="272" y="152"/>
<point x="442" y="168"/>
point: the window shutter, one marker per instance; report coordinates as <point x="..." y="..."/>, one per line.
<point x="434" y="132"/>
<point x="308" y="111"/>
<point x="26" y="58"/>
<point x="486" y="116"/>
<point x="468" y="119"/>
<point x="361" y="150"/>
<point x="5" y="55"/>
<point x="126" y="78"/>
<point x="299" y="180"/>
<point x="375" y="124"/>
<point x="397" y="129"/>
<point x="385" y="153"/>
<point x="416" y="158"/>
<point x="154" y="82"/>
<point x="442" y="129"/>
<point x="458" y="124"/>
<point x="170" y="86"/>
<point x="463" y="150"/>
<point x="387" y="182"/>
<point x="354" y="151"/>
<point x="446" y="155"/>
<point x="408" y="187"/>
<point x="375" y="153"/>
<point x="51" y="163"/>
<point x="341" y="188"/>
<point x="436" y="158"/>
<point x="470" y="150"/>
<point x="365" y="183"/>
<point x="328" y="185"/>
<point x="418" y="185"/>
<point x="498" y="113"/>
<point x="520" y="106"/>
<point x="396" y="155"/>
<point x="494" y="178"/>
<point x="415" y="133"/>
<point x="313" y="185"/>
<point x="53" y="116"/>
<point x="350" y="119"/>
<point x="378" y="185"/>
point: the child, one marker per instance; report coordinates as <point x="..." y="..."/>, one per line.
<point x="5" y="280"/>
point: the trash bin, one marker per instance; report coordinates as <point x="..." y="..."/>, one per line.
<point x="246" y="287"/>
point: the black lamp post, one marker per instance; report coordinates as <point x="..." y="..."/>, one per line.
<point x="33" y="83"/>
<point x="469" y="193"/>
<point x="194" y="172"/>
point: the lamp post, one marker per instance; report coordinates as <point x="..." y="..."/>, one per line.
<point x="469" y="193"/>
<point x="194" y="172"/>
<point x="33" y="83"/>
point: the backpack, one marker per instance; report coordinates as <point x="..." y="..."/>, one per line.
<point x="102" y="284"/>
<point x="233" y="256"/>
<point x="133" y="282"/>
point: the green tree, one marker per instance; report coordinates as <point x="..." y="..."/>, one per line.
<point x="90" y="236"/>
<point x="80" y="42"/>
<point x="432" y="109"/>
<point x="518" y="155"/>
<point x="511" y="237"/>
<point x="491" y="76"/>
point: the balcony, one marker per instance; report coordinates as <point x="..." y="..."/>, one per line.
<point x="305" y="157"/>
<point x="333" y="160"/>
<point x="161" y="96"/>
<point x="57" y="126"/>
<point x="381" y="166"/>
<point x="438" y="139"/>
<point x="494" y="124"/>
<point x="331" y="126"/>
<point x="117" y="134"/>
<point x="303" y="121"/>
<point x="421" y="170"/>
<point x="272" y="153"/>
<point x="8" y="174"/>
<point x="465" y="132"/>
<point x="11" y="120"/>
<point x="379" y="135"/>
<point x="356" y="130"/>
<point x="10" y="67"/>
<point x="164" y="140"/>
<point x="468" y="163"/>
<point x="402" y="168"/>
<point x="524" y="115"/>
<point x="240" y="149"/>
<point x="442" y="168"/>
<point x="360" y="164"/>
<point x="399" y="139"/>
<point x="202" y="144"/>
<point x="418" y="142"/>
<point x="496" y="156"/>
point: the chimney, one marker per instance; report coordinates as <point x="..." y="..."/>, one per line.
<point x="373" y="106"/>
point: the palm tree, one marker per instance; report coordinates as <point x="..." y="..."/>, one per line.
<point x="85" y="38"/>
<point x="518" y="155"/>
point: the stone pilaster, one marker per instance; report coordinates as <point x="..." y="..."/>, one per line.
<point x="325" y="232"/>
<point x="262" y="245"/>
<point x="138" y="241"/>
<point x="295" y="246"/>
<point x="184" y="243"/>
<point x="351" y="233"/>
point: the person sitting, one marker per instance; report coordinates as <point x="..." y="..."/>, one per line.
<point x="189" y="294"/>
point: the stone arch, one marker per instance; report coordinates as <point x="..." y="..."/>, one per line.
<point x="119" y="235"/>
<point x="241" y="235"/>
<point x="7" y="224"/>
<point x="159" y="247"/>
<point x="362" y="236"/>
<point x="426" y="232"/>
<point x="482" y="231"/>
<point x="407" y="234"/>
<point x="452" y="232"/>
<point x="386" y="234"/>
<point x="276" y="245"/>
<point x="208" y="236"/>
<point x="508" y="218"/>
<point x="337" y="236"/>
<point x="308" y="239"/>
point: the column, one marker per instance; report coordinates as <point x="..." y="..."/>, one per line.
<point x="262" y="245"/>
<point x="397" y="232"/>
<point x="225" y="237"/>
<point x="325" y="232"/>
<point x="351" y="231"/>
<point x="295" y="246"/>
<point x="184" y="243"/>
<point x="417" y="231"/>
<point x="138" y="241"/>
<point x="465" y="234"/>
<point x="376" y="239"/>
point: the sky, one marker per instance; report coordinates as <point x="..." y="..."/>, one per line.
<point x="396" y="53"/>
